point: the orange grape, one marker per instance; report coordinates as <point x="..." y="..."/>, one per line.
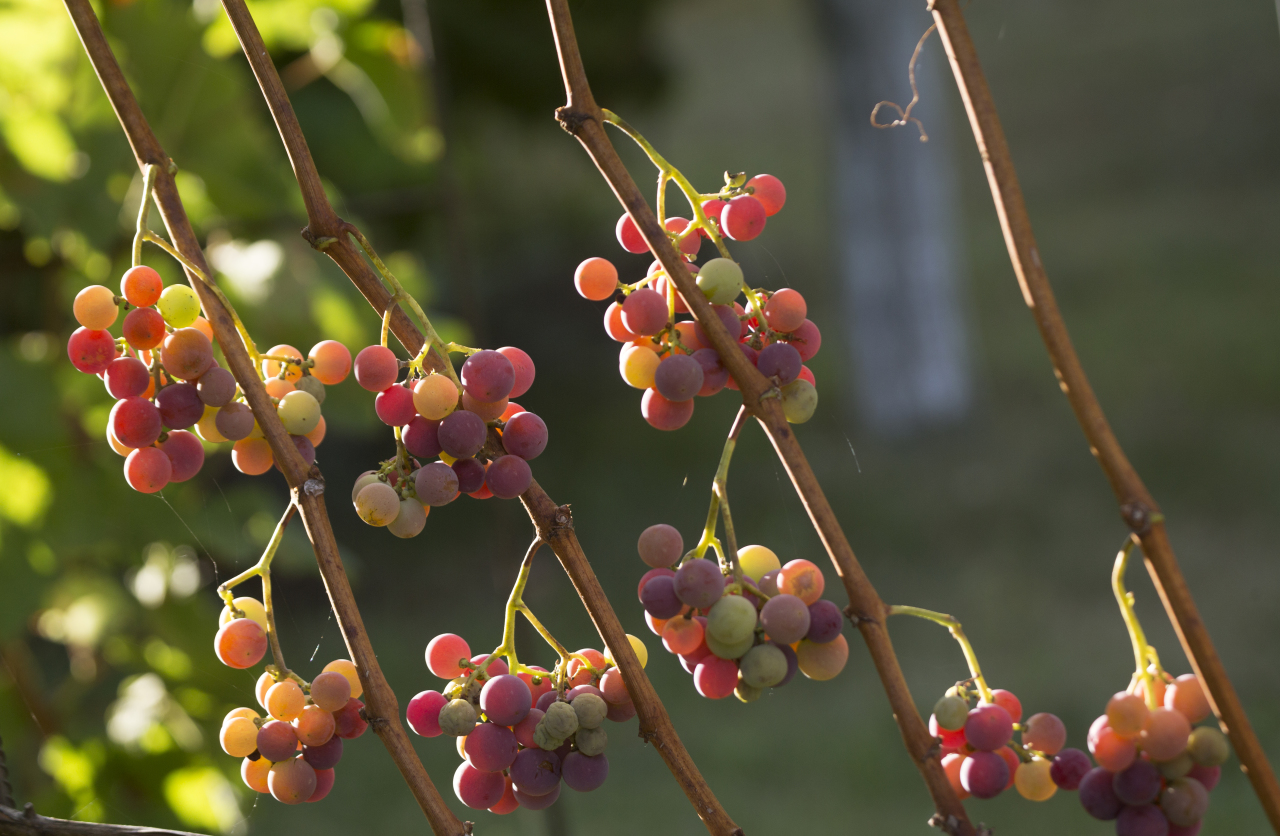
<point x="95" y="307"/>
<point x="1127" y="714"/>
<point x="278" y="388"/>
<point x="596" y="279"/>
<point x="802" y="579"/>
<point x="317" y="435"/>
<point x="951" y="765"/>
<point x="292" y="781"/>
<point x="252" y="456"/>
<point x="202" y="325"/>
<point x="239" y="737"/>
<point x="1187" y="697"/>
<point x="285" y="700"/>
<point x="637" y="366"/>
<point x="332" y="362"/>
<point x="240" y="643"/>
<point x="656" y="625"/>
<point x="1112" y="752"/>
<point x="330" y="690"/>
<point x="292" y="371"/>
<point x="314" y="726"/>
<point x="264" y="685"/>
<point x="141" y="286"/>
<point x="822" y="661"/>
<point x="682" y="635"/>
<point x="347" y="669"/>
<point x="435" y="396"/>
<point x="254" y="774"/>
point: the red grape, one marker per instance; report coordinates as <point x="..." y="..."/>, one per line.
<point x="394" y="406"/>
<point x="234" y="421"/>
<point x="537" y="802"/>
<point x="491" y="747"/>
<point x="825" y="622"/>
<point x="659" y="597"/>
<point x="536" y="772"/>
<point x="984" y="774"/>
<point x="91" y="351"/>
<point x="988" y="728"/>
<point x="448" y="656"/>
<point x="714" y="374"/>
<point x="780" y="360"/>
<point x="523" y="365"/>
<point x="743" y="219"/>
<point x="487" y="410"/>
<point x="629" y="236"/>
<point x="786" y="618"/>
<point x="699" y="583"/>
<point x="713" y="209"/>
<point x="715" y="678"/>
<point x="241" y="642"/>
<point x="347" y="720"/>
<point x="1137" y="784"/>
<point x="679" y="377"/>
<point x="769" y="191"/>
<point x="786" y="310"/>
<point x="644" y="312"/>
<point x="143" y="328"/>
<point x="423" y="714"/>
<point x="462" y="434"/>
<point x="689" y="244"/>
<point x="147" y="470"/>
<point x="508" y="477"/>
<point x="1044" y="733"/>
<point x="488" y="376"/>
<point x="376" y="368"/>
<point x="613" y="324"/>
<point x="141" y="286"/>
<point x="324" y="756"/>
<point x="1098" y="796"/>
<point x="126" y="377"/>
<point x="324" y="783"/>
<point x="436" y="484"/>
<point x="1069" y="768"/>
<point x="663" y="414"/>
<point x="470" y="475"/>
<point x="584" y="773"/>
<point x="476" y="789"/>
<point x="420" y="437"/>
<point x="1009" y="702"/>
<point x="525" y="436"/>
<point x="186" y="455"/>
<point x="1146" y="820"/>
<point x="505" y="699"/>
<point x="727" y="315"/>
<point x="807" y="339"/>
<point x="135" y="423"/>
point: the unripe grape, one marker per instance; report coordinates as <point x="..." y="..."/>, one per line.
<point x="638" y="366"/>
<point x="141" y="286"/>
<point x="252" y="609"/>
<point x="560" y="720"/>
<point x="277" y="740"/>
<point x="1208" y="746"/>
<point x="179" y="305"/>
<point x="763" y="666"/>
<point x="757" y="560"/>
<point x="743" y="219"/>
<point x="951" y="713"/>
<point x="720" y="280"/>
<point x="799" y="401"/>
<point x="378" y="504"/>
<point x="330" y="690"/>
<point x="1178" y="767"/>
<point x="728" y="650"/>
<point x="591" y="741"/>
<point x="241" y="643"/>
<point x="596" y="279"/>
<point x="95" y="307"/>
<point x="637" y="647"/>
<point x="590" y="710"/>
<point x="348" y="671"/>
<point x="457" y="718"/>
<point x="1033" y="781"/>
<point x="544" y="739"/>
<point x="273" y="368"/>
<point x="239" y="737"/>
<point x="299" y="412"/>
<point x="769" y="191"/>
<point x="314" y="725"/>
<point x="822" y="661"/>
<point x="731" y="620"/>
<point x="376" y="368"/>
<point x="285" y="700"/>
<point x="312" y="386"/>
<point x="332" y="362"/>
<point x="435" y="396"/>
<point x="292" y="781"/>
<point x="410" y="520"/>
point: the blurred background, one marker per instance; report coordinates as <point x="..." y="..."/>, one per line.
<point x="1146" y="148"/>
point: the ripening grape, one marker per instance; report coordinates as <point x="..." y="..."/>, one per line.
<point x="525" y="436"/>
<point x="377" y="504"/>
<point x="1044" y="733"/>
<point x="505" y="699"/>
<point x="488" y="376"/>
<point x="951" y="765"/>
<point x="1069" y="768"/>
<point x="292" y="781"/>
<point x="487" y="410"/>
<point x="317" y="435"/>
<point x="785" y="311"/>
<point x="448" y="656"/>
<point x="491" y="747"/>
<point x="119" y="448"/>
<point x="462" y="434"/>
<point x="324" y="783"/>
<point x="179" y="305"/>
<point x="984" y="774"/>
<point x="988" y="727"/>
<point x="688" y="245"/>
<point x="629" y="235"/>
<point x="470" y="475"/>
<point x="807" y="339"/>
<point x="780" y="361"/>
<point x="637" y="647"/>
<point x="91" y="351"/>
<point x="825" y="621"/>
<point x="1137" y="784"/>
<point x="180" y="406"/>
<point x="508" y="477"/>
<point x="435" y="396"/>
<point x="1142" y="821"/>
<point x="687" y="335"/>
<point x="713" y="209"/>
<point x="638" y="366"/>
<point x="1110" y="749"/>
<point x="1184" y="801"/>
<point x="95" y="307"/>
<point x="239" y="737"/>
<point x="186" y="455"/>
<point x="348" y="670"/>
<point x="763" y="666"/>
<point x="299" y="412"/>
<point x="216" y="387"/>
<point x="251" y="456"/>
<point x="715" y="678"/>
<point x="524" y="369"/>
<point x="680" y="636"/>
<point x="285" y="700"/>
<point x="727" y="650"/>
<point x="148" y="470"/>
<point x="207" y="426"/>
<point x="376" y="368"/>
<point x="1208" y="746"/>
<point x="394" y="406"/>
<point x="314" y="725"/>
<point x="411" y="519"/>
<point x="769" y="191"/>
<point x="613" y="324"/>
<point x="803" y="579"/>
<point x="699" y="583"/>
<point x="678" y="377"/>
<point x="720" y="280"/>
<point x="1165" y="735"/>
<point x="822" y="661"/>
<point x="663" y="414"/>
<point x="596" y="279"/>
<point x="731" y="620"/>
<point x="1178" y="767"/>
<point x="273" y="368"/>
<point x="478" y="790"/>
<point x="950" y="713"/>
<point x="332" y="362"/>
<point x="234" y="421"/>
<point x="785" y="618"/>
<point x="186" y="353"/>
<point x="135" y="422"/>
<point x="143" y="328"/>
<point x="513" y="409"/>
<point x="660" y="545"/>
<point x="254" y="774"/>
<point x="659" y="597"/>
<point x="799" y="401"/>
<point x="202" y="325"/>
<point x="330" y="690"/>
<point x="743" y="219"/>
<point x="644" y="312"/>
<point x="584" y="773"/>
<point x="1009" y="702"/>
<point x="1186" y="696"/>
<point x="1127" y="714"/>
<point x="141" y="286"/>
<point x="325" y="756"/>
<point x="241" y="642"/>
<point x="350" y="724"/>
<point x="126" y="377"/>
<point x="422" y="437"/>
<point x="714" y="374"/>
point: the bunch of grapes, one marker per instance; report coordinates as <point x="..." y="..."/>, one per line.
<point x="434" y="417"/>
<point x="982" y="759"/>
<point x="1155" y="771"/>
<point x="164" y="376"/>
<point x="290" y="753"/>
<point x="520" y="735"/>
<point x="671" y="359"/>
<point x="740" y="637"/>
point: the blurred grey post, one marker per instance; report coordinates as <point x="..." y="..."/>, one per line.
<point x="895" y="221"/>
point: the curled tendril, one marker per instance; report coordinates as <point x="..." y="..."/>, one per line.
<point x="904" y="116"/>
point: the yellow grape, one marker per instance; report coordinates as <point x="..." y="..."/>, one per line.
<point x="260" y="689"/>
<point x="378" y="504"/>
<point x="207" y="427"/>
<point x="435" y="396"/>
<point x="642" y="652"/>
<point x="95" y="307"/>
<point x="179" y="305"/>
<point x="251" y="607"/>
<point x="638" y="366"/>
<point x="242" y="711"/>
<point x="299" y="412"/>
<point x="347" y="669"/>
<point x="756" y="561"/>
<point x="254" y="774"/>
<point x="239" y="737"/>
<point x="1033" y="780"/>
<point x="285" y="700"/>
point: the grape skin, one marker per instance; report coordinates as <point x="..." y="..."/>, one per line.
<point x="147" y="470"/>
<point x="525" y="436"/>
<point x="488" y="376"/>
<point x="180" y="406"/>
<point x="508" y="477"/>
<point x="660" y="545"/>
<point x="785" y="618"/>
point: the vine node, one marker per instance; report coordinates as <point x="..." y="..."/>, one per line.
<point x="572" y="118"/>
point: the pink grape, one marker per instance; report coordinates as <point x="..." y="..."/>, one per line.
<point x="744" y="218"/>
<point x="241" y="642"/>
<point x="325" y="756"/>
<point x="785" y="618"/>
<point x="186" y="455"/>
<point x="621" y="713"/>
<point x="1009" y="702"/>
<point x="1045" y="733"/>
<point x="147" y="470"/>
<point x="644" y="312"/>
<point x="769" y="191"/>
<point x="660" y="545"/>
<point x="180" y="406"/>
<point x="448" y="656"/>
<point x="423" y="714"/>
<point x="525" y="436"/>
<point x="487" y="410"/>
<point x="332" y="362"/>
<point x="715" y="678"/>
<point x="584" y="773"/>
<point x="462" y="434"/>
<point x="91" y="351"/>
<point x="727" y="316"/>
<point x="496" y="668"/>
<point x="436" y="484"/>
<point x="984" y="774"/>
<point x="629" y="236"/>
<point x="421" y="437"/>
<point x="470" y="475"/>
<point x="523" y="365"/>
<point x="234" y="421"/>
<point x="508" y="477"/>
<point x="505" y="699"/>
<point x="216" y="387"/>
<point x="488" y="376"/>
<point x="1187" y="698"/>
<point x="679" y="377"/>
<point x="135" y="423"/>
<point x="126" y="377"/>
<point x="613" y="324"/>
<point x="476" y="789"/>
<point x="525" y="728"/>
<point x="713" y="209"/>
<point x="786" y="310"/>
<point x="780" y="360"/>
<point x="988" y="728"/>
<point x="324" y="783"/>
<point x="1165" y="736"/>
<point x="663" y="414"/>
<point x="690" y="244"/>
<point x="1206" y="775"/>
<point x="535" y="772"/>
<point x="394" y="406"/>
<point x="807" y="339"/>
<point x="491" y="747"/>
<point x="376" y="368"/>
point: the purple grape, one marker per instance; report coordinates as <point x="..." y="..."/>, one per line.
<point x="535" y="772"/>
<point x="984" y="774"/>
<point x="660" y="545"/>
<point x="768" y="582"/>
<point x="780" y="360"/>
<point x="462" y="433"/>
<point x="678" y="378"/>
<point x="488" y="376"/>
<point x="1069" y="767"/>
<point x="728" y="316"/>
<point x="621" y="712"/>
<point x="1097" y="795"/>
<point x="583" y="689"/>
<point x="537" y="802"/>
<point x="714" y="374"/>
<point x="545" y="700"/>
<point x="421" y="438"/>
<point x="506" y="700"/>
<point x="988" y="728"/>
<point x="1138" y="784"/>
<point x="793" y="663"/>
<point x="525" y="436"/>
<point x="325" y="756"/>
<point x="785" y="618"/>
<point x="508" y="477"/>
<point x="470" y="475"/>
<point x="216" y="387"/>
<point x="436" y="484"/>
<point x="490" y="747"/>
<point x="698" y="583"/>
<point x="1146" y="820"/>
<point x="825" y="621"/>
<point x="1192" y="830"/>
<point x="127" y="377"/>
<point x="180" y="406"/>
<point x="305" y="449"/>
<point x="659" y="597"/>
<point x="234" y="421"/>
<point x="584" y="773"/>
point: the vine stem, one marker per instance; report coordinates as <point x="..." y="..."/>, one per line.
<point x="1141" y="650"/>
<point x="719" y="510"/>
<point x="1137" y="506"/>
<point x="144" y="209"/>
<point x="957" y="632"/>
<point x="306" y="484"/>
<point x="584" y="119"/>
<point x="262" y="569"/>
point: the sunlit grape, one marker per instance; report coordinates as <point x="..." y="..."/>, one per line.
<point x="277" y="740"/>
<point x="251" y="456"/>
<point x="376" y="368"/>
<point x="476" y="789"/>
<point x="638" y="366"/>
<point x="252" y="609"/>
<point x="596" y="279"/>
<point x="743" y="219"/>
<point x="1186" y="696"/>
<point x="179" y="305"/>
<point x="803" y="579"/>
<point x="314" y="725"/>
<point x="292" y="781"/>
<point x="769" y="191"/>
<point x="299" y="412"/>
<point x="715" y="678"/>
<point x="239" y="737"/>
<point x="285" y="700"/>
<point x="377" y="503"/>
<point x="330" y="690"/>
<point x="1127" y="714"/>
<point x="141" y="286"/>
<point x="823" y="661"/>
<point x="95" y="307"/>
<point x="348" y="671"/>
<point x="786" y="310"/>
<point x="254" y="774"/>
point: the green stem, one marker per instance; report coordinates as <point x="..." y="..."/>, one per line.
<point x="957" y="633"/>
<point x="727" y="552"/>
<point x="1137" y="637"/>
<point x="148" y="183"/>
<point x="262" y="569"/>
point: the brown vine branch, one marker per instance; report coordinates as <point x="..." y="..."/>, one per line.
<point x="581" y="116"/>
<point x="306" y="484"/>
<point x="27" y="823"/>
<point x="1137" y="506"/>
<point x="554" y="524"/>
<point x="904" y="116"/>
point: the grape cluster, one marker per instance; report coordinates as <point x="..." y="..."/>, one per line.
<point x="740" y="636"/>
<point x="292" y="751"/>
<point x="165" y="378"/>
<point x="672" y="359"/>
<point x="435" y="417"/>
<point x="1155" y="767"/>
<point x="520" y="735"/>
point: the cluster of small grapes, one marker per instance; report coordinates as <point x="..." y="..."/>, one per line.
<point x="435" y="417"/>
<point x="672" y="360"/>
<point x="982" y="759"/>
<point x="291" y="753"/>
<point x="740" y="636"/>
<point x="165" y="378"/>
<point x="521" y="734"/>
<point x="1154" y="770"/>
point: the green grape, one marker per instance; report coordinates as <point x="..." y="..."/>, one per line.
<point x="544" y="739"/>
<point x="725" y="650"/>
<point x="312" y="386"/>
<point x="1208" y="746"/>
<point x="799" y="401"/>
<point x="179" y="305"/>
<point x="364" y="480"/>
<point x="763" y="666"/>
<point x="591" y="741"/>
<point x="1178" y="767"/>
<point x="732" y="619"/>
<point x="951" y="713"/>
<point x="299" y="412"/>
<point x="561" y="720"/>
<point x="457" y="718"/>
<point x="720" y="280"/>
<point x="746" y="693"/>
<point x="410" y="521"/>
<point x="590" y="710"/>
